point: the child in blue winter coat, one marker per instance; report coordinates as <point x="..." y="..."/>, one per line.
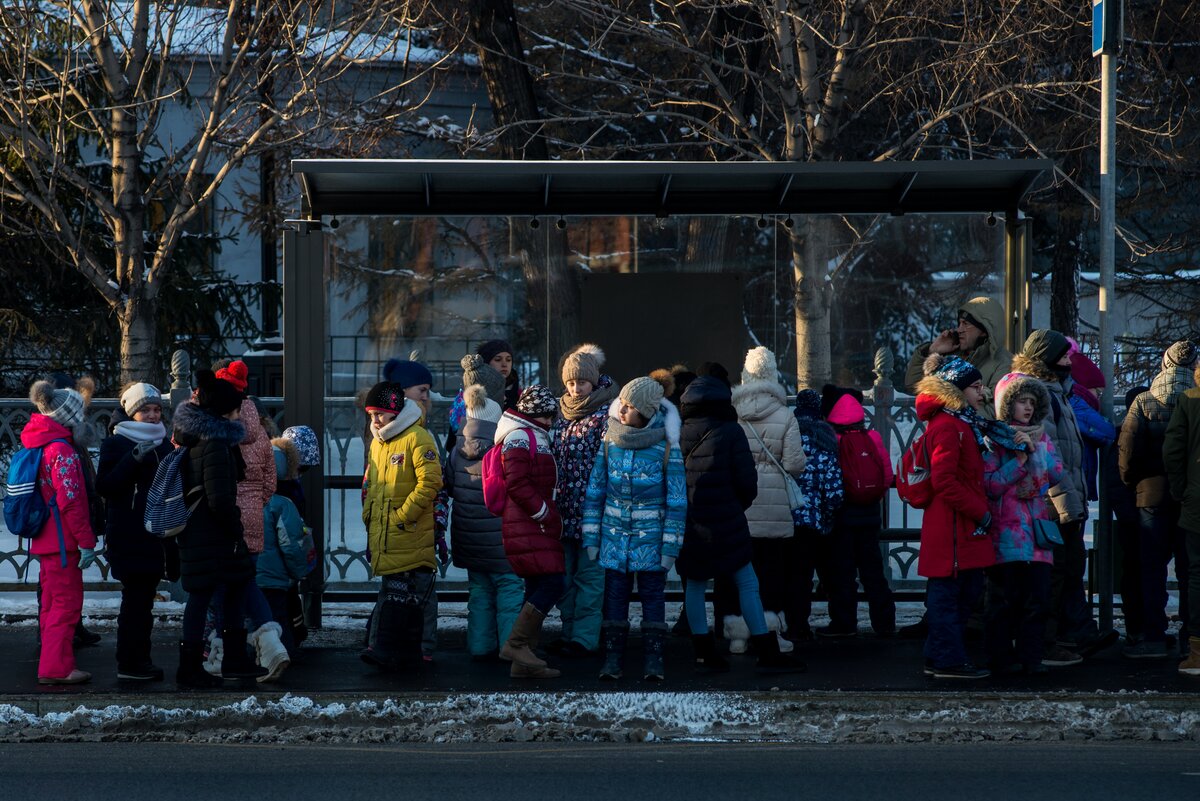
<point x="288" y="550"/>
<point x="634" y="514"/>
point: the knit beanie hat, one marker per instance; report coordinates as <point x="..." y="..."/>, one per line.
<point x="808" y="404"/>
<point x="1085" y="372"/>
<point x="537" y="401"/>
<point x="1045" y="345"/>
<point x="407" y="373"/>
<point x="216" y="395"/>
<point x="386" y="396"/>
<point x="237" y="373"/>
<point x="493" y="348"/>
<point x="479" y="405"/>
<point x="306" y="443"/>
<point x="760" y="366"/>
<point x="643" y="394"/>
<point x="955" y="370"/>
<point x="1181" y="354"/>
<point x="583" y="364"/>
<point x="138" y="395"/>
<point x="63" y="406"/>
<point x="478" y="371"/>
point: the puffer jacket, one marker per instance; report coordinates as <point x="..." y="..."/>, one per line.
<point x="959" y="506"/>
<point x="636" y="503"/>
<point x="722" y="482"/>
<point x="124" y="482"/>
<point x="476" y="541"/>
<point x="403" y="477"/>
<point x="258" y="486"/>
<point x="531" y="526"/>
<point x="1016" y="497"/>
<point x="991" y="359"/>
<point x="286" y="547"/>
<point x="1096" y="432"/>
<point x="1069" y="495"/>
<point x="1140" y="456"/>
<point x="212" y="548"/>
<point x="60" y="476"/>
<point x="821" y="480"/>
<point x="1181" y="457"/>
<point x="847" y="415"/>
<point x="575" y="443"/>
<point x="762" y="409"/>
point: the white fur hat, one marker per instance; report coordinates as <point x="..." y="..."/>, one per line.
<point x="760" y="366"/>
<point x="480" y="406"/>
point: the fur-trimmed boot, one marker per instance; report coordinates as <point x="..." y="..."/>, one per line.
<point x="654" y="640"/>
<point x="270" y="651"/>
<point x="770" y="660"/>
<point x="525" y="632"/>
<point x="236" y="663"/>
<point x="191" y="672"/>
<point x="613" y="634"/>
<point x="707" y="658"/>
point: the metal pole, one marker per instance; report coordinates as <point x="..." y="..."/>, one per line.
<point x="1108" y="214"/>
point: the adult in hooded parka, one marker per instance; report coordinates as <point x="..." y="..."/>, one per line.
<point x="978" y="338"/>
<point x="212" y="548"/>
<point x="722" y="484"/>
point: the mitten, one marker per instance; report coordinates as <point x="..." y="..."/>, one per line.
<point x="668" y="562"/>
<point x="87" y="558"/>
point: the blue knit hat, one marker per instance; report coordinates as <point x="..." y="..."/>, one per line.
<point x="407" y="374"/>
<point x="958" y="371"/>
<point x="808" y="404"/>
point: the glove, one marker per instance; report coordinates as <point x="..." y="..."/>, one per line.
<point x="87" y="558"/>
<point x="668" y="562"/>
<point x="443" y="556"/>
<point x="593" y="553"/>
<point x="142" y="448"/>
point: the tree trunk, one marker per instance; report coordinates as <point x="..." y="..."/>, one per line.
<point x="813" y="295"/>
<point x="1064" y="275"/>
<point x="493" y="28"/>
<point x="139" y="343"/>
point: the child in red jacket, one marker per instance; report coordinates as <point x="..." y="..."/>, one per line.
<point x="530" y="526"/>
<point x="955" y="545"/>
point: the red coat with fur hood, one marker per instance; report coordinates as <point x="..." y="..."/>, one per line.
<point x="959" y="502"/>
<point x="530" y="526"/>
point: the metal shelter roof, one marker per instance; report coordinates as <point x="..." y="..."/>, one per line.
<point x="403" y="187"/>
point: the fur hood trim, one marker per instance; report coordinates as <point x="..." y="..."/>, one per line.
<point x="950" y="396"/>
<point x="192" y="421"/>
<point x="1034" y="367"/>
<point x="409" y="416"/>
<point x="1011" y="387"/>
<point x="292" y="453"/>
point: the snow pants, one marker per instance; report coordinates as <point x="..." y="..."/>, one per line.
<point x="62" y="606"/>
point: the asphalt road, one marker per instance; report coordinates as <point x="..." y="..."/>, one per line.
<point x="582" y="772"/>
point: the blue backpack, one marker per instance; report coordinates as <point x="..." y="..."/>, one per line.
<point x="25" y="510"/>
<point x="167" y="511"/>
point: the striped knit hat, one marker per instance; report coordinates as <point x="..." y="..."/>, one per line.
<point x="63" y="406"/>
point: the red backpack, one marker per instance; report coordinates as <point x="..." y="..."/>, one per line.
<point x="862" y="475"/>
<point x="914" y="484"/>
<point x="495" y="492"/>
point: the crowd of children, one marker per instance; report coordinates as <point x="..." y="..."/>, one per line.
<point x="573" y="501"/>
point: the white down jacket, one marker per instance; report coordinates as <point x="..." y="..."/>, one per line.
<point x="762" y="409"/>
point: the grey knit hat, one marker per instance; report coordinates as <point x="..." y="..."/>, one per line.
<point x="138" y="395"/>
<point x="1181" y="354"/>
<point x="63" y="406"/>
<point x="644" y="394"/>
<point x="477" y="371"/>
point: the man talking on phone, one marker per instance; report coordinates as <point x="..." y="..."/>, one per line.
<point x="978" y="338"/>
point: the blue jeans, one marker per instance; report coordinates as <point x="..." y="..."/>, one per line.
<point x="493" y="604"/>
<point x="652" y="584"/>
<point x="544" y="591"/>
<point x="1161" y="539"/>
<point x="582" y="600"/>
<point x="196" y="610"/>
<point x="948" y="605"/>
<point x="257" y="608"/>
<point x="747" y="589"/>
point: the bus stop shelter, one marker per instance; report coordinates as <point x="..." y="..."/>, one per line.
<point x="549" y="191"/>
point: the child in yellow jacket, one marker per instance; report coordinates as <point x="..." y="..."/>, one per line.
<point x="403" y="477"/>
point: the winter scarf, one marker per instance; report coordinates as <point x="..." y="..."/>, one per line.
<point x="141" y="432"/>
<point x="1035" y="432"/>
<point x="578" y="408"/>
<point x="635" y="439"/>
<point x="411" y="413"/>
<point x="988" y="432"/>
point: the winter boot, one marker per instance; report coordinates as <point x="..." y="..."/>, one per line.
<point x="269" y="650"/>
<point x="216" y="652"/>
<point x="613" y="634"/>
<point x="1191" y="665"/>
<point x="191" y="672"/>
<point x="654" y="639"/>
<point x="770" y="660"/>
<point x="525" y="631"/>
<point x="519" y="671"/>
<point x="394" y="637"/>
<point x="236" y="663"/>
<point x="707" y="658"/>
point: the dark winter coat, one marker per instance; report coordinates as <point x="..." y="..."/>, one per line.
<point x="575" y="443"/>
<point x="124" y="482"/>
<point x="1096" y="432"/>
<point x="959" y="506"/>
<point x="475" y="533"/>
<point x="1181" y="457"/>
<point x="1143" y="433"/>
<point x="722" y="482"/>
<point x="212" y="548"/>
<point x="531" y="526"/>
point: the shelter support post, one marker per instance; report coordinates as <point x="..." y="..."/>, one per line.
<point x="304" y="379"/>
<point x="1018" y="254"/>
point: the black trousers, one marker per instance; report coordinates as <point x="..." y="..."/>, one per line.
<point x="136" y="619"/>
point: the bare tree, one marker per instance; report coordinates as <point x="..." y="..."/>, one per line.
<point x="102" y="77"/>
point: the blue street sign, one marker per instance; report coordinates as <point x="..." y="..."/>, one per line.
<point x="1106" y="26"/>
